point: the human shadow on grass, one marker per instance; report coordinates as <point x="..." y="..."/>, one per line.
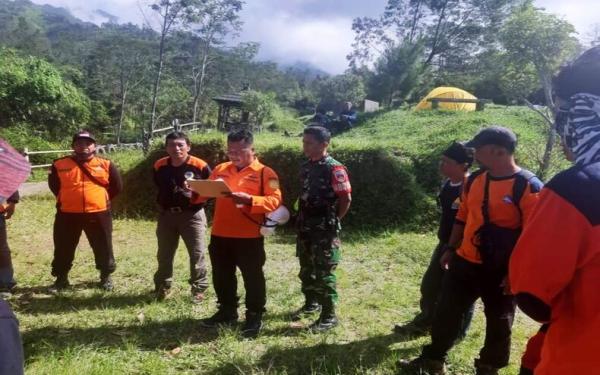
<point x="43" y="302"/>
<point x="336" y="358"/>
<point x="153" y="335"/>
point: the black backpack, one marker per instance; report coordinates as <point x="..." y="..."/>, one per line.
<point x="495" y="242"/>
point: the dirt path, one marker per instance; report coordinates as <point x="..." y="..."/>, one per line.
<point x="34" y="188"/>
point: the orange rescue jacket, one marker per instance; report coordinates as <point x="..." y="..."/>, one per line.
<point x="79" y="194"/>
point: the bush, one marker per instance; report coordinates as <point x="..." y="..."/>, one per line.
<point x="385" y="191"/>
<point x="392" y="158"/>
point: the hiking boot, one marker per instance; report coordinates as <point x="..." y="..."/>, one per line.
<point x="423" y="366"/>
<point x="252" y="325"/>
<point x="106" y="283"/>
<point x="324" y="323"/>
<point x="197" y="297"/>
<point x="309" y="308"/>
<point x="415" y="327"/>
<point x="484" y="369"/>
<point x="162" y="293"/>
<point x="61" y="283"/>
<point x="5" y="293"/>
<point x="220" y="318"/>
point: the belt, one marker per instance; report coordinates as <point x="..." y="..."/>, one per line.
<point x="179" y="209"/>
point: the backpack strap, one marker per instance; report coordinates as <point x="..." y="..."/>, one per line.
<point x="472" y="178"/>
<point x="89" y="174"/>
<point x="522" y="179"/>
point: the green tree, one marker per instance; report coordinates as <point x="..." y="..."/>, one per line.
<point x="212" y="23"/>
<point x="173" y="14"/>
<point x="451" y="31"/>
<point x="542" y="42"/>
<point x="260" y="105"/>
<point x="334" y="90"/>
<point x="120" y="63"/>
<point x="398" y="71"/>
<point x="33" y="92"/>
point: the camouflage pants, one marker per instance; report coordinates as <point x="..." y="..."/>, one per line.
<point x="319" y="255"/>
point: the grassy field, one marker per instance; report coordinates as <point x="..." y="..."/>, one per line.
<point x="86" y="331"/>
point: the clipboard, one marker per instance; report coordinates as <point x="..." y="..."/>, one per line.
<point x="209" y="188"/>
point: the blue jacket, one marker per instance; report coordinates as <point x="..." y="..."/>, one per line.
<point x="11" y="348"/>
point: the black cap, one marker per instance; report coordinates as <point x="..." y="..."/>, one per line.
<point x="459" y="153"/>
<point x="494" y="135"/>
<point x="84" y="134"/>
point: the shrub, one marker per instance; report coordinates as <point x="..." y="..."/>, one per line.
<point x="385" y="191"/>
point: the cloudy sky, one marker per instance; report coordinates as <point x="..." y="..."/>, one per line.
<point x="315" y="31"/>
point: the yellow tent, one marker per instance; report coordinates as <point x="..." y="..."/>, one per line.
<point x="448" y="92"/>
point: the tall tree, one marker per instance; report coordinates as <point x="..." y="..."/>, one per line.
<point x="449" y="29"/>
<point x="172" y="14"/>
<point x="122" y="59"/>
<point x="541" y="41"/>
<point x="211" y="23"/>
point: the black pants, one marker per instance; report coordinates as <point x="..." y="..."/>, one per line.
<point x="463" y="283"/>
<point x="431" y="288"/>
<point x="67" y="231"/>
<point x="247" y="254"/>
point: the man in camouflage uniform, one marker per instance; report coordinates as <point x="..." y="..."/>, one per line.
<point x="324" y="200"/>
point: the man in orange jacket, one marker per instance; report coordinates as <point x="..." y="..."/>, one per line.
<point x="84" y="185"/>
<point x="555" y="267"/>
<point x="236" y="241"/>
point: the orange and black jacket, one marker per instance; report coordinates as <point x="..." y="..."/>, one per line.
<point x="170" y="181"/>
<point x="76" y="193"/>
<point x="555" y="271"/>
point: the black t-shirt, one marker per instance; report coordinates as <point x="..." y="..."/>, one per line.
<point x="448" y="201"/>
<point x="170" y="181"/>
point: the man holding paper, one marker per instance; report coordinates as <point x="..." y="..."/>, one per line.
<point x="181" y="215"/>
<point x="236" y="240"/>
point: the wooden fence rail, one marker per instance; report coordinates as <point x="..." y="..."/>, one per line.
<point x="112" y="147"/>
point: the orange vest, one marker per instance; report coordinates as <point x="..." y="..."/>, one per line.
<point x="78" y="194"/>
<point x="228" y="219"/>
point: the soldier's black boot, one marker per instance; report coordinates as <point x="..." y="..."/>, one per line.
<point x="223" y="317"/>
<point x="310" y="307"/>
<point x="484" y="369"/>
<point x="327" y="320"/>
<point x="252" y="325"/>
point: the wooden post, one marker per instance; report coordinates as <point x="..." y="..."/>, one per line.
<point x="480" y="105"/>
<point x="435" y="104"/>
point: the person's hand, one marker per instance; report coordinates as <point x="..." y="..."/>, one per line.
<point x="505" y="284"/>
<point x="446" y="256"/>
<point x="241" y="198"/>
<point x="9" y="211"/>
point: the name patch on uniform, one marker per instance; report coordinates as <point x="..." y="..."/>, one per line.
<point x="273" y="183"/>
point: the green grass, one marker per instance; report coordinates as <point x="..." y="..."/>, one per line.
<point x="86" y="331"/>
